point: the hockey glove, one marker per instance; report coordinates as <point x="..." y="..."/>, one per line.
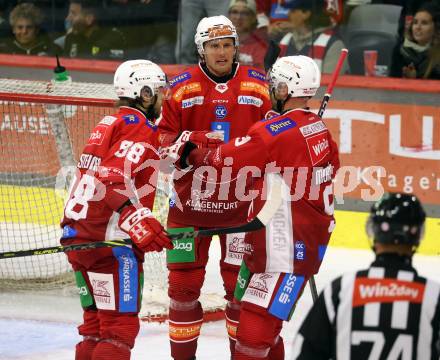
<point x="145" y="231"/>
<point x="202" y="139"/>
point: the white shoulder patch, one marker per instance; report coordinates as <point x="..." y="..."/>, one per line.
<point x="108" y="120"/>
<point x="311" y="129"/>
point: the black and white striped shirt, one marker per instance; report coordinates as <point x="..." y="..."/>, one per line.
<point x="386" y="312"/>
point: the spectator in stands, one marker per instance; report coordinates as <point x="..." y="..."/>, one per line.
<point x="279" y="24"/>
<point x="253" y="40"/>
<point x="29" y="39"/>
<point x="86" y="38"/>
<point x="323" y="44"/>
<point x="191" y="12"/>
<point x="418" y="56"/>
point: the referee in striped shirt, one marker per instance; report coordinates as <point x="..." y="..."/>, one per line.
<point x="386" y="312"/>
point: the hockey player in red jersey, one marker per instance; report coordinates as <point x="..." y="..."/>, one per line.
<point x="218" y="95"/>
<point x="111" y="197"/>
<point x="295" y="151"/>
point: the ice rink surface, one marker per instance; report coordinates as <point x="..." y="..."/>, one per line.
<point x="37" y="326"/>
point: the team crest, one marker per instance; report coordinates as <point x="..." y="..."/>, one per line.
<point x="221" y="88"/>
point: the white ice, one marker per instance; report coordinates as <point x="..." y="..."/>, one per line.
<point x="36" y="326"/>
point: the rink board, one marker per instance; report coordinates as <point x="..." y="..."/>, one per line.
<point x="44" y="206"/>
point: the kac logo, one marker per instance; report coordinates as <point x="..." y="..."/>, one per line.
<point x="220" y="112"/>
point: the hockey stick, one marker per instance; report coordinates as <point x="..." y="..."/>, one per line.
<point x="61" y="248"/>
<point x="266" y="213"/>
<point x="322" y="108"/>
<point x="332" y="83"/>
<point x="261" y="220"/>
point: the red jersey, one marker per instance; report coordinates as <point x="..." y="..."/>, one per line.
<point x="199" y="103"/>
<point x="254" y="47"/>
<point x="119" y="163"/>
<point x="296" y="150"/>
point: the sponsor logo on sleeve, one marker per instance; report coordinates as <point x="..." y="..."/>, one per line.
<point x="286" y="296"/>
<point x="97" y="135"/>
<point x="151" y="124"/>
<point x="108" y="120"/>
<point x="179" y="78"/>
<point x="250" y="100"/>
<point x="197" y="100"/>
<point x="254" y="87"/>
<point x="187" y="89"/>
<point x="318" y="147"/>
<point x="369" y="290"/>
<point x="220" y="112"/>
<point x="256" y="75"/>
<point x="277" y="127"/>
<point x="130" y="119"/>
<point x="311" y="129"/>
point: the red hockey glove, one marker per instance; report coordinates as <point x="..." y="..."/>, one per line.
<point x="203" y="139"/>
<point x="145" y="231"/>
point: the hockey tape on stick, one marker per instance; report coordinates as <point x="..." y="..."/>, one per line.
<point x="332" y="83"/>
<point x="58" y="249"/>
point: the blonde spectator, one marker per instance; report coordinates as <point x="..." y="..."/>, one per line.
<point x="25" y="20"/>
<point x="253" y="40"/>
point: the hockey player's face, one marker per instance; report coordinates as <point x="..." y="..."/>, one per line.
<point x="219" y="56"/>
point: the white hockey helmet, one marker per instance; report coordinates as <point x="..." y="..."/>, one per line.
<point x="133" y="75"/>
<point x="214" y="27"/>
<point x="299" y="73"/>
